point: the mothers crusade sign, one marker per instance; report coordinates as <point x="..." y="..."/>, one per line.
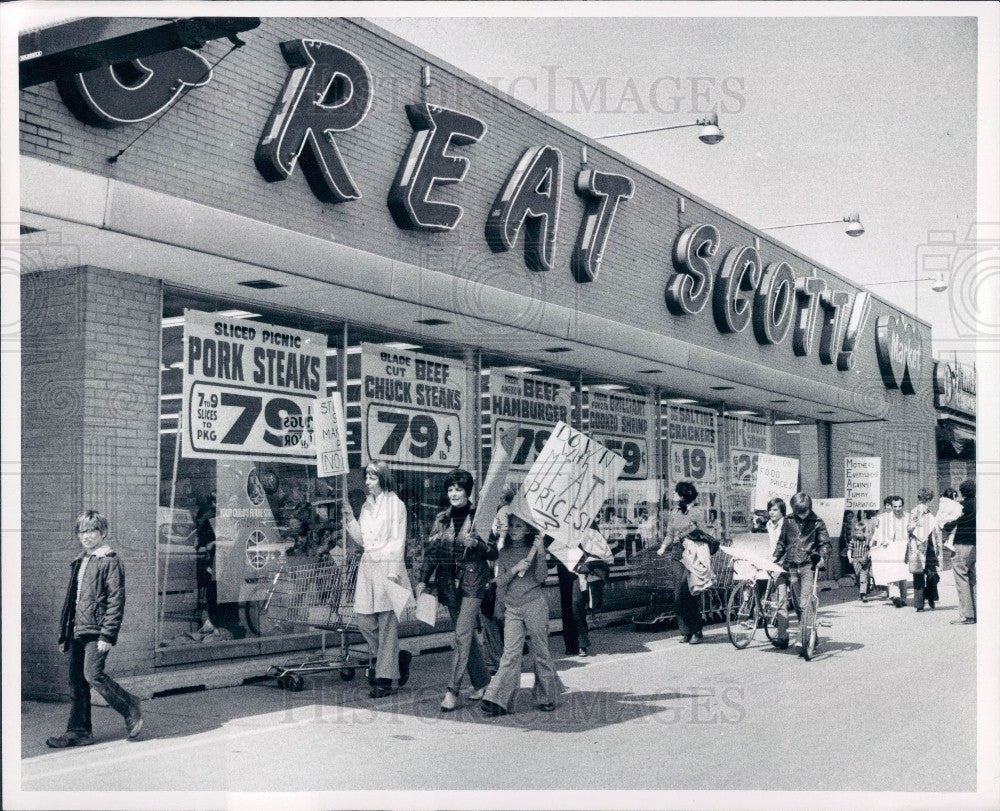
<point x="326" y="98"/>
<point x="249" y="388"/>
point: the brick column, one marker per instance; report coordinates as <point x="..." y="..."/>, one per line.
<point x="90" y="415"/>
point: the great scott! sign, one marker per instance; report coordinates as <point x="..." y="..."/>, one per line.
<point x="328" y="91"/>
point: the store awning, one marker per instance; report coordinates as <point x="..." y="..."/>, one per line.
<point x="955" y="441"/>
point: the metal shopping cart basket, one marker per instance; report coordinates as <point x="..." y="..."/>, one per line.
<point x="657" y="576"/>
<point x="713" y="600"/>
<point x="317" y="596"/>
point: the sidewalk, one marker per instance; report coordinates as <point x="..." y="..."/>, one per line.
<point x="643" y="698"/>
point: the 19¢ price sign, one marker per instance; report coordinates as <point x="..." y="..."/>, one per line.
<point x="694" y="463"/>
<point x="632" y="450"/>
<point x="409" y="437"/>
<point x="242" y="421"/>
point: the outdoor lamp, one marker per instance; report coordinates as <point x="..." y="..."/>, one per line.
<point x="854" y="227"/>
<point x="710" y="132"/>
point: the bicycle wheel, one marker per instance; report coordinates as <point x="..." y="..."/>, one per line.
<point x="810" y="635"/>
<point x="742" y="613"/>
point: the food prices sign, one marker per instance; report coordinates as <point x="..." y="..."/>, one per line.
<point x="249" y="388"/>
<point x="411" y="408"/>
<point x="777" y="477"/>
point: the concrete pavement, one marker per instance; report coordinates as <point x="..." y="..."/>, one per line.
<point x="887" y="705"/>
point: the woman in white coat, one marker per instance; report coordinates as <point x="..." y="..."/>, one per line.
<point x="381" y="532"/>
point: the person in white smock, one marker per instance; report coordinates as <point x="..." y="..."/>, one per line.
<point x="381" y="532"/>
<point x="888" y="551"/>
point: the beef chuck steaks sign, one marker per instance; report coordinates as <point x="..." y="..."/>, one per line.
<point x="250" y="388"/>
<point x="566" y="487"/>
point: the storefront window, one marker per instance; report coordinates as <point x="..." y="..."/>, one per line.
<point x="226" y="526"/>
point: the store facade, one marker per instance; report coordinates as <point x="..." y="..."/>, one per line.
<point x="316" y="218"/>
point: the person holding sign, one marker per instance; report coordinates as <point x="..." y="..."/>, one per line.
<point x="521" y="571"/>
<point x="456" y="568"/>
<point x="381" y="532"/>
<point x="889" y="543"/>
<point x="964" y="562"/>
<point x="805" y="546"/>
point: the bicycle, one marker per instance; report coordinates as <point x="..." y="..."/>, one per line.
<point x="747" y="609"/>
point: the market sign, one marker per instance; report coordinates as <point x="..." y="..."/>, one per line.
<point x="955" y="387"/>
<point x="862" y="482"/>
<point x="411" y="408"/>
<point x="621" y="423"/>
<point x="692" y="445"/>
<point x="528" y="406"/>
<point x="311" y="111"/>
<point x="746" y="439"/>
<point x="331" y="437"/>
<point x="249" y="388"/>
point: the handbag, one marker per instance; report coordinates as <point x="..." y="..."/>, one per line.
<point x="933" y="578"/>
<point x="489" y="603"/>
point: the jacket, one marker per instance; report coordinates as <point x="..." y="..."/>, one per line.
<point x="965" y="524"/>
<point x="452" y="570"/>
<point x="101" y="604"/>
<point x="805" y="541"/>
<point x="921" y="551"/>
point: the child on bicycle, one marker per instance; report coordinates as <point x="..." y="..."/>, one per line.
<point x="804" y="546"/>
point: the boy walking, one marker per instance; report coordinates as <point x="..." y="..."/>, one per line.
<point x="91" y="617"/>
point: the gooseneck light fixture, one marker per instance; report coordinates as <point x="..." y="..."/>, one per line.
<point x="709" y="134"/>
<point x="854" y="227"/>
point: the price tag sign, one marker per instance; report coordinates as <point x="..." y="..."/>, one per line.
<point x="633" y="450"/>
<point x="621" y="421"/>
<point x="743" y="467"/>
<point x="412" y="406"/>
<point x="530" y="406"/>
<point x="693" y="463"/>
<point x="403" y="436"/>
<point x="249" y="388"/>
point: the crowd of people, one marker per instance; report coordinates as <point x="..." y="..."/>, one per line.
<point x="495" y="584"/>
<point x="894" y="546"/>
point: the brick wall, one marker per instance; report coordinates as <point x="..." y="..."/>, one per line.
<point x="202" y="150"/>
<point x="90" y="389"/>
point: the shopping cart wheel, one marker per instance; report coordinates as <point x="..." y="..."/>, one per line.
<point x="273" y="672"/>
<point x="347" y="674"/>
<point x="297" y="684"/>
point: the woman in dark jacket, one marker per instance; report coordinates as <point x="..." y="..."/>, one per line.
<point x="456" y="569"/>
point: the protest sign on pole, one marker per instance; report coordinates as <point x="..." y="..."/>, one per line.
<point x="566" y="487"/>
<point x="777" y="477"/>
<point x="831" y="510"/>
<point x="862" y="482"/>
<point x="330" y="434"/>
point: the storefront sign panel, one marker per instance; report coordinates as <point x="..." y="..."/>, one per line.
<point x="530" y="406"/>
<point x="249" y="388"/>
<point x="411" y="407"/>
<point x="621" y="423"/>
<point x="747" y="437"/>
<point x="777" y="477"/>
<point x="692" y="454"/>
<point x="862" y="482"/>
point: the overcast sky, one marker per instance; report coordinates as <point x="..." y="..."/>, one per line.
<point x="822" y="117"/>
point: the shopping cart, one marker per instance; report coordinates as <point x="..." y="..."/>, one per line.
<point x="657" y="576"/>
<point x="714" y="599"/>
<point x="318" y="596"/>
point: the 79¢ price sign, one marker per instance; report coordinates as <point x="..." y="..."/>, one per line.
<point x="241" y="421"/>
<point x="528" y="443"/>
<point x="694" y="463"/>
<point x="409" y="437"/>
<point x="632" y="450"/>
